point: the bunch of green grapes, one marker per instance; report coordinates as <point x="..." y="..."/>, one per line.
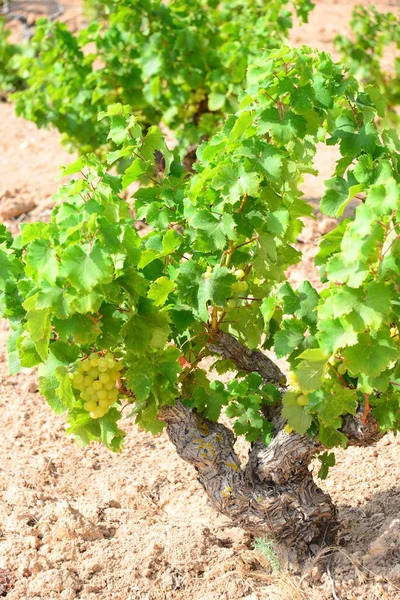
<point x="96" y="378"/>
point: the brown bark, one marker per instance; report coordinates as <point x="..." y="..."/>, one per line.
<point x="247" y="360"/>
<point x="297" y="514"/>
<point x="275" y="493"/>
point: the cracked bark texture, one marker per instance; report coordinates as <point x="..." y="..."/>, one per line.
<point x="296" y="514"/>
<point x="275" y="493"/>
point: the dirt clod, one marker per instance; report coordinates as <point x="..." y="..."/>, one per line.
<point x="14" y="203"/>
<point x="7" y="581"/>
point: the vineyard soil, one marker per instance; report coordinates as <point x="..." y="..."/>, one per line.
<point x="84" y="523"/>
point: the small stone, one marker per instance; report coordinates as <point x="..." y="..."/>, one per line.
<point x="167" y="581"/>
<point x="30" y="387"/>
<point x="326" y="225"/>
<point x="377" y="547"/>
<point x="12" y="205"/>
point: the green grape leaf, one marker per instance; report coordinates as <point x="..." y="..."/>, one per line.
<point x="208" y="398"/>
<point x="146" y="329"/>
<point x="310" y="372"/>
<point x="74" y="167"/>
<point x="138" y="168"/>
<point x="162" y="369"/>
<point x="289" y="337"/>
<point x="41" y="261"/>
<point x="160" y="289"/>
<point x="217" y="289"/>
<point x="386" y="410"/>
<point x="370" y="355"/>
<point x="338" y="195"/>
<point x="327" y="460"/>
<point x="267" y="309"/>
<point x="82" y="329"/>
<point x="27" y="353"/>
<point x="110" y="434"/>
<point x="331" y="404"/>
<point x="296" y="415"/>
<point x="39" y="327"/>
<point x="331" y="437"/>
<point x="64" y="390"/>
<point x="216" y="101"/>
<point x="332" y="335"/>
<point x="86" y="266"/>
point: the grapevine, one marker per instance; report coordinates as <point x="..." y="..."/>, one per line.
<point x="120" y="323"/>
<point x="183" y="67"/>
<point x="12" y="78"/>
<point x="214" y="262"/>
<point x="372" y="33"/>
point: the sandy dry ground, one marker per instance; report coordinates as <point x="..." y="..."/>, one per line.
<point x="87" y="524"/>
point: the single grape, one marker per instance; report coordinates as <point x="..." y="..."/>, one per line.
<point x="102" y="362"/>
<point x="94" y="359"/>
<point x="101" y="394"/>
<point x="231" y="303"/>
<point x="97" y="385"/>
<point x="90" y="405"/>
<point x="104" y="377"/>
<point x="115" y="376"/>
<point x="239" y="273"/>
<point x="85" y="365"/>
<point x="341" y="369"/>
<point x="302" y="400"/>
<point x="79" y="385"/>
<point x="118" y="366"/>
<point x="239" y="287"/>
<point x="112" y="396"/>
<point x="207" y="275"/>
<point x="104" y="403"/>
<point x="77" y="377"/>
<point x="110" y="385"/>
<point x="93" y="372"/>
<point x="98" y="412"/>
<point x="88" y="380"/>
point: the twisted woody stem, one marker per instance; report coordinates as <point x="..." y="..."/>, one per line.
<point x="275" y="493"/>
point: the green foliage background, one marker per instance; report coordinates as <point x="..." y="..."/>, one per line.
<point x="180" y="63"/>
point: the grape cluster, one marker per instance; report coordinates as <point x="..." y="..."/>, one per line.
<point x="96" y="378"/>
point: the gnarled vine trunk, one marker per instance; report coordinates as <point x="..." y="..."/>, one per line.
<point x="275" y="493"/>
